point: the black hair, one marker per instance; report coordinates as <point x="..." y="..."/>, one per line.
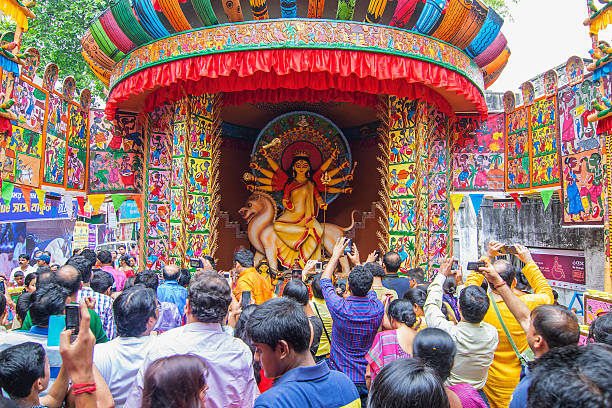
<point x="23" y="305"/>
<point x="360" y="281"/>
<point x="129" y="282"/>
<point x="435" y="348"/>
<point x="46" y="301"/>
<point x="506" y="271"/>
<point x="601" y="329"/>
<point x="3" y="304"/>
<point x="18" y="273"/>
<point x="185" y="277"/>
<point x="132" y="310"/>
<point x="69" y="278"/>
<point x="241" y="333"/>
<point x="315" y="285"/>
<point x="402" y="311"/>
<point x="556" y="324"/>
<point x="209" y="297"/>
<point x="449" y="286"/>
<point x="83" y="265"/>
<point x="29" y="278"/>
<point x="210" y="260"/>
<point x="555" y="294"/>
<point x="90" y="256"/>
<point x="7" y="403"/>
<point x="407" y="383"/>
<point x="121" y="246"/>
<point x="105" y="257"/>
<point x="244" y="257"/>
<point x="417" y="296"/>
<point x="296" y="289"/>
<point x="392" y="261"/>
<point x="375" y="269"/>
<point x="44" y="276"/>
<point x="125" y="258"/>
<point x="473" y="303"/>
<point x="418" y="274"/>
<point x="280" y="319"/>
<point x="25" y="256"/>
<point x="147" y="278"/>
<point x="101" y="281"/>
<point x="171" y="273"/>
<point x="572" y="376"/>
<point x="485" y="285"/>
<point x="20" y="367"/>
<point x="290" y="172"/>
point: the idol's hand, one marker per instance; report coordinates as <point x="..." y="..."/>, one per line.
<point x="250" y="187"/>
<point x="348" y="190"/>
<point x="288" y="204"/>
<point x="335" y="153"/>
<point x="254" y="165"/>
<point x="248" y="177"/>
<point x="323" y="206"/>
<point x="344" y="165"/>
<point x="263" y="152"/>
<point x="348" y="177"/>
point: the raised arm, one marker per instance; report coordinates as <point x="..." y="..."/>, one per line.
<point x="475" y="278"/>
<point x="331" y="297"/>
<point x="542" y="292"/>
<point x="433" y="304"/>
<point x="519" y="310"/>
<point x="273" y="165"/>
<point x="327" y="162"/>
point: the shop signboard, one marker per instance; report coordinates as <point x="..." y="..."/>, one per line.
<point x="563" y="268"/>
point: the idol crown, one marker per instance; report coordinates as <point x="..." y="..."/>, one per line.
<point x="301" y="153"/>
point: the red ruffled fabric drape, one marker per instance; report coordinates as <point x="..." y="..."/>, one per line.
<point x="291" y="69"/>
<point x="604" y="125"/>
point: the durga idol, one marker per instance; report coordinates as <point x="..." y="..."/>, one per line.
<point x="297" y="227"/>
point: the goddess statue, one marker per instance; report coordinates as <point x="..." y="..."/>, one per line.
<point x="297" y="227"/>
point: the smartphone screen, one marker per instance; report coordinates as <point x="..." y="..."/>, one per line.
<point x="349" y="247"/>
<point x="245" y="299"/>
<point x="319" y="267"/>
<point x="509" y="249"/>
<point x="195" y="263"/>
<point x="2" y="287"/>
<point x="73" y="318"/>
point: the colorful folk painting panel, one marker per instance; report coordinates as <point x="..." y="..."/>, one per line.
<point x="478" y="154"/>
<point x="583" y="181"/>
<point x="57" y="119"/>
<point x="55" y="156"/>
<point x="26" y="141"/>
<point x="517" y="150"/>
<point x="404" y="245"/>
<point x="7" y="164"/>
<point x="156" y="254"/>
<point x="402" y="216"/>
<point x="158" y="225"/>
<point x="595" y="307"/>
<point x="101" y="132"/>
<point x="198" y="213"/>
<point x="114" y="172"/>
<point x="177" y="171"/>
<point x="77" y="134"/>
<point x="402" y="177"/>
<point x="175" y="238"/>
<point x="179" y="133"/>
<point x="577" y="134"/>
<point x="544" y="150"/>
<point x="199" y="174"/>
<point x="160" y="151"/>
<point x="129" y="132"/>
<point x="176" y="201"/>
<point x="158" y="186"/>
<point x="438" y="187"/>
<point x="198" y="244"/>
<point x="75" y="168"/>
<point x="30" y="104"/>
<point x="27" y="170"/>
<point x="438" y="216"/>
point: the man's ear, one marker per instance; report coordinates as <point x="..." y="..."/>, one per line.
<point x="39" y="385"/>
<point x="282" y="349"/>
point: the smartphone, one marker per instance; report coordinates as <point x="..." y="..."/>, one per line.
<point x="349" y="247"/>
<point x="455" y="265"/>
<point x="2" y="287"/>
<point x="245" y="300"/>
<point x="473" y="266"/>
<point x="196" y="263"/>
<point x="226" y="275"/>
<point x="377" y="256"/>
<point x="73" y="318"/>
<point x="319" y="267"/>
<point x="509" y="249"/>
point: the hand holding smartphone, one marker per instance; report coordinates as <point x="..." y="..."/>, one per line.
<point x="245" y="299"/>
<point x="73" y="318"/>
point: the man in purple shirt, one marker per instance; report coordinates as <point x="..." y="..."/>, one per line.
<point x="106" y="264"/>
<point x="356" y="320"/>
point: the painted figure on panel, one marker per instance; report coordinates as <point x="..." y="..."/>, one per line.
<point x="298" y="233"/>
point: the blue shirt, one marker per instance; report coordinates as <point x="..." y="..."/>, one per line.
<point x="519" y="396"/>
<point x="356" y="321"/>
<point x="310" y="387"/>
<point x="400" y="285"/>
<point x="171" y="291"/>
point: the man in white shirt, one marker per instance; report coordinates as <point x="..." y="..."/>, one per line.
<point x="230" y="379"/>
<point x="24" y="266"/>
<point x="476" y="340"/>
<point x="119" y="360"/>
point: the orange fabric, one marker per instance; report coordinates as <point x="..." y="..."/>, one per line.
<point x="504" y="373"/>
<point x="290" y="69"/>
<point x="252" y="281"/>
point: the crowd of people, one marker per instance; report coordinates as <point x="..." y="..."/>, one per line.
<point x="339" y="333"/>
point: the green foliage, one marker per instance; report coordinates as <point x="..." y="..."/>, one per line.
<point x="501" y="6"/>
<point x="56" y="33"/>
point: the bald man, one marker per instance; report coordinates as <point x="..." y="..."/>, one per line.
<point x="170" y="290"/>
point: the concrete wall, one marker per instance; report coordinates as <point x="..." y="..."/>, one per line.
<point x="531" y="226"/>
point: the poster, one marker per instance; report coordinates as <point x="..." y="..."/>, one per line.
<point x="562" y="268"/>
<point x="27" y="170"/>
<point x="594" y="307"/>
<point x="582" y="164"/>
<point x="517" y="150"/>
<point x="128" y="212"/>
<point x="30" y="105"/>
<point x="543" y="136"/>
<point x="17" y="210"/>
<point x="478" y="153"/>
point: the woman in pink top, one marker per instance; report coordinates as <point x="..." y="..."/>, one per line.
<point x="393" y="344"/>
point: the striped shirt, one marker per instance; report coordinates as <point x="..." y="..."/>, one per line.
<point x="356" y="321"/>
<point x="386" y="348"/>
<point x="103" y="308"/>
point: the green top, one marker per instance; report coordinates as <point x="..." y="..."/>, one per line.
<point x="95" y="325"/>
